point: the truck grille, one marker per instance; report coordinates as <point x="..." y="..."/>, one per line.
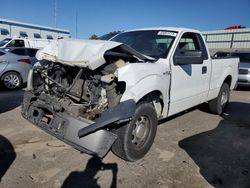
<point x="243" y="71"/>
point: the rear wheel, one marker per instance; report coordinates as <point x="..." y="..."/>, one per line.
<point x="11" y="80"/>
<point x="135" y="138"/>
<point x="219" y="104"/>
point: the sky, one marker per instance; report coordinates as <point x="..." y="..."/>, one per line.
<point x="103" y="16"/>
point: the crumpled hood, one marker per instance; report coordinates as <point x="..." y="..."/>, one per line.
<point x="83" y="53"/>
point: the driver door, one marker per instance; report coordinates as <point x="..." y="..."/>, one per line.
<point x="190" y="80"/>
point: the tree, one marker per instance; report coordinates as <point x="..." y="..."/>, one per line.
<point x="93" y="37"/>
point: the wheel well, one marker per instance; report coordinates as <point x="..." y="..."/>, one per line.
<point x="156" y="98"/>
<point x="228" y="80"/>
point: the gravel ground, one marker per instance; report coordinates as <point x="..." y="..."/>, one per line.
<point x="191" y="149"/>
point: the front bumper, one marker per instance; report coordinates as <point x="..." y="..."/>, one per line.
<point x="82" y="134"/>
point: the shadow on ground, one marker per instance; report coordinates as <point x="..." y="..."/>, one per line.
<point x="223" y="154"/>
<point x="7" y="155"/>
<point x="10" y="99"/>
<point x="87" y="179"/>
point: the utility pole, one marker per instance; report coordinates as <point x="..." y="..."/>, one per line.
<point x="55" y="12"/>
<point x="76" y="24"/>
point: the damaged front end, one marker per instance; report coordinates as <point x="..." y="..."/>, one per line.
<point x="79" y="104"/>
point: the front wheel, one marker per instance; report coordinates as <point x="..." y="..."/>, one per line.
<point x="219" y="104"/>
<point x="135" y="139"/>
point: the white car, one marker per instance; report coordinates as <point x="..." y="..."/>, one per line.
<point x="24" y="42"/>
<point x="96" y="95"/>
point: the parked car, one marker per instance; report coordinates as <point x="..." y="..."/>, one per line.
<point x="15" y="64"/>
<point x="244" y="66"/>
<point x="100" y="95"/>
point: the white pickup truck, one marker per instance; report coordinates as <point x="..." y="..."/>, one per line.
<point x="24" y="42"/>
<point x="101" y="95"/>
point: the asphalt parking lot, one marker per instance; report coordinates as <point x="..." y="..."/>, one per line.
<point x="191" y="149"/>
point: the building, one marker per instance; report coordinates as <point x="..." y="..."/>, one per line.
<point x="230" y="40"/>
<point x="10" y="29"/>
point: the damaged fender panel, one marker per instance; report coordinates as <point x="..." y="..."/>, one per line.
<point x="124" y="111"/>
<point x="84" y="135"/>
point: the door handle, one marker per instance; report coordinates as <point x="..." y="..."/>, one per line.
<point x="204" y="70"/>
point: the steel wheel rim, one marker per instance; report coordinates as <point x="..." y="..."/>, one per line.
<point x="224" y="98"/>
<point x="11" y="81"/>
<point x="140" y="131"/>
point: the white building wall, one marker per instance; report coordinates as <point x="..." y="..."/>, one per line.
<point x="228" y="39"/>
<point x="45" y="33"/>
<point x="3" y="26"/>
<point x="30" y="32"/>
<point x="15" y="27"/>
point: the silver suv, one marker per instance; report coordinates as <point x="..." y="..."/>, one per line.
<point x="244" y="65"/>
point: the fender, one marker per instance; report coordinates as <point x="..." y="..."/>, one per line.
<point x="137" y="77"/>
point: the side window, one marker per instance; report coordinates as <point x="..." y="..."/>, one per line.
<point x="5" y="32"/>
<point x="16" y="43"/>
<point x="37" y="35"/>
<point x="50" y="37"/>
<point x="189" y="41"/>
<point x="19" y="52"/>
<point x="192" y="42"/>
<point x="23" y="34"/>
<point x="190" y="50"/>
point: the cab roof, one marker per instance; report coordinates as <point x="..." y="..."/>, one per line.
<point x="175" y="29"/>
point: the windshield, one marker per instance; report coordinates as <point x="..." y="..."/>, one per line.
<point x="107" y="36"/>
<point x="4" y="41"/>
<point x="155" y="43"/>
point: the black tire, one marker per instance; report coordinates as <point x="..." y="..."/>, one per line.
<point x="12" y="80"/>
<point x="219" y="104"/>
<point x="135" y="138"/>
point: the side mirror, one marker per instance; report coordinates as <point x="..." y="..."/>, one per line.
<point x="188" y="57"/>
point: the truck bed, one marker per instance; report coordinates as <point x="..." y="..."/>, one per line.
<point x="220" y="68"/>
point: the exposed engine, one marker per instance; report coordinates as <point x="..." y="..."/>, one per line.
<point x="78" y="91"/>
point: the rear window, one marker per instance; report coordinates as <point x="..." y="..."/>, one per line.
<point x="24" y="52"/>
<point x="31" y="52"/>
<point x="244" y="57"/>
<point x="18" y="51"/>
<point x="222" y="54"/>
